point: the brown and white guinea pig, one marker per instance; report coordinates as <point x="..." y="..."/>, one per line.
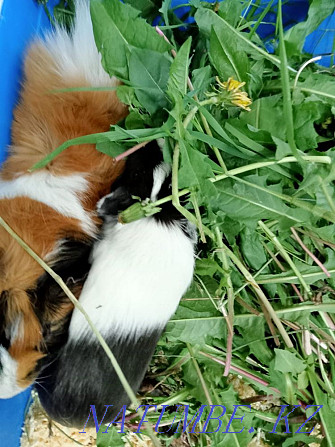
<point x="138" y="273"/>
<point x="50" y="205"/>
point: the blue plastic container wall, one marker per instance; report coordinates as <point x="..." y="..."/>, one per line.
<point x="20" y="20"/>
<point x="322" y="41"/>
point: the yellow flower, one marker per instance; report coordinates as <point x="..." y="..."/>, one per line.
<point x="231" y="85"/>
<point x="242" y="100"/>
<point x="229" y="93"/>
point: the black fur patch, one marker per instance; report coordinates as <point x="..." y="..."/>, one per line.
<point x="72" y="266"/>
<point x="82" y="375"/>
<point x="137" y="178"/>
<point x="4" y="340"/>
<point x="118" y="201"/>
<point x="137" y="181"/>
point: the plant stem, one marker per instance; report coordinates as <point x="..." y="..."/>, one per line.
<point x="260" y="18"/>
<point x="260" y="295"/>
<point x="230" y="294"/>
<point x="279" y="279"/>
<point x="300" y="308"/>
<point x="284" y="254"/>
<point x="198" y="217"/>
<point x="328" y="197"/>
<point x="47" y="12"/>
<point x="175" y="195"/>
<point x="130" y="151"/>
<point x="240" y="371"/>
<point x="315" y="259"/>
<point x="287" y="100"/>
<point x="201" y="377"/>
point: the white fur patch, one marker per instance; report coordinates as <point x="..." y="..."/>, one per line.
<point x="8" y="384"/>
<point x="139" y="273"/>
<point x="161" y="142"/>
<point x="62" y="193"/>
<point x="16" y="330"/>
<point x="160" y="174"/>
<point x="76" y="55"/>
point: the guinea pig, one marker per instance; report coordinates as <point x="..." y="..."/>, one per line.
<point x="138" y="273"/>
<point x="48" y="206"/>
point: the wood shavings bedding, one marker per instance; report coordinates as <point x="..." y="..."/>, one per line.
<point x="40" y="431"/>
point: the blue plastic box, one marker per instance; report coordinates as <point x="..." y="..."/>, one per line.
<point x="22" y="19"/>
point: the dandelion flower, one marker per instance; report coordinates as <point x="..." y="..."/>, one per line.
<point x="229" y="93"/>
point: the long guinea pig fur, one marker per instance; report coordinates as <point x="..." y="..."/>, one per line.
<point x="47" y="207"/>
<point x="138" y="273"/>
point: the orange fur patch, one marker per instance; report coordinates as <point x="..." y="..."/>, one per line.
<point x="45" y="118"/>
<point x="40" y="227"/>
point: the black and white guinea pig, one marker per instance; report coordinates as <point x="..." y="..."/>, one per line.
<point x="138" y="273"/>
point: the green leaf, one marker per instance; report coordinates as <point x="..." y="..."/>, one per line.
<point x="206" y="18"/>
<point x="146" y="7"/>
<point x="319" y="85"/>
<point x="305" y="115"/>
<point x="231" y="11"/>
<point x="126" y="94"/>
<point x="207" y="266"/>
<point x="255" y="336"/>
<point x="283" y="148"/>
<point x="252" y="248"/>
<point x="306" y="439"/>
<point x="249" y="204"/>
<point x="327" y="232"/>
<point x="118" y="29"/>
<point x="326" y="413"/>
<point x="193" y="321"/>
<point x="179" y="70"/>
<point x="267" y="114"/>
<point x="288" y="362"/>
<point x="110" y="148"/>
<point x="285" y="83"/>
<point x="244" y="139"/>
<point x="221" y="439"/>
<point x="225" y="56"/>
<point x="201" y="79"/>
<point x="222" y="145"/>
<point x="148" y="74"/>
<point x="195" y="167"/>
<point x="110" y="439"/>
